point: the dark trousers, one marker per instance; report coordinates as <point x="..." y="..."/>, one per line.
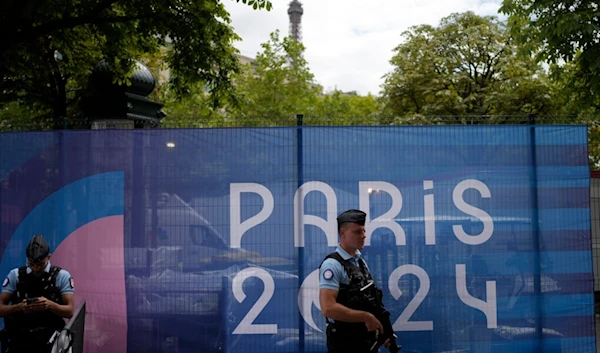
<point x="28" y="344"/>
<point x="339" y="341"/>
<point x="349" y="347"/>
<point x="30" y="349"/>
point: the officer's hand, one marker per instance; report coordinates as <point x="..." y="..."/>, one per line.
<point x="387" y="342"/>
<point x="373" y="324"/>
<point x="39" y="305"/>
<point x="22" y="306"/>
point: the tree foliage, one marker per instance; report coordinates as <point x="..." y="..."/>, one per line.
<point x="276" y="86"/>
<point x="194" y="110"/>
<point x="49" y="48"/>
<point x="561" y="32"/>
<point x="340" y="108"/>
<point x="468" y="65"/>
<point x="272" y="90"/>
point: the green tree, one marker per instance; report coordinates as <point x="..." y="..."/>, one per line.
<point x="195" y="109"/>
<point x="49" y="47"/>
<point x="576" y="105"/>
<point x="561" y="32"/>
<point x="565" y="35"/>
<point x="468" y="65"/>
<point x="340" y="108"/>
<point x="15" y="116"/>
<point x="276" y="86"/>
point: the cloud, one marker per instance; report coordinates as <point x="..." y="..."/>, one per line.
<point x="348" y="43"/>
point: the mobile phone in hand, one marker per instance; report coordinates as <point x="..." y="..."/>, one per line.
<point x="31" y="300"/>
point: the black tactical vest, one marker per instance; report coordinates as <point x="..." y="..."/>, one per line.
<point x="31" y="286"/>
<point x="359" y="277"/>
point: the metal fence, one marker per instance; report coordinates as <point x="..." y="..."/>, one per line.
<point x="216" y="121"/>
<point x="158" y="173"/>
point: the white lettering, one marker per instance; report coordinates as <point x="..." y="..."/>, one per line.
<point x="247" y="325"/>
<point x="403" y="323"/>
<point x="328" y="226"/>
<point x="386" y="220"/>
<point x="489" y="307"/>
<point x="429" y="210"/>
<point x="488" y="223"/>
<point x="237" y="227"/>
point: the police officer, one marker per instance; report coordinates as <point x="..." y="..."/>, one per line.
<point x="34" y="301"/>
<point x="343" y="271"/>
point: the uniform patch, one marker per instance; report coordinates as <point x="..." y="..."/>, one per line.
<point x="328" y="274"/>
<point x="72" y="281"/>
<point x="6" y="282"/>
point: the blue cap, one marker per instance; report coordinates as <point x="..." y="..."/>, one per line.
<point x="38" y="248"/>
<point x="352" y="216"/>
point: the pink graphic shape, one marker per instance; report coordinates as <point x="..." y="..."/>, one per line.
<point x="94" y="256"/>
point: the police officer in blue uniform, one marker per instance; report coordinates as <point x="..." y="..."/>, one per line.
<point x="342" y="272"/>
<point x="34" y="302"/>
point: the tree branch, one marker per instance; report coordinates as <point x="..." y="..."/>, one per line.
<point x="78" y="21"/>
<point x="103" y="5"/>
<point x="70" y="22"/>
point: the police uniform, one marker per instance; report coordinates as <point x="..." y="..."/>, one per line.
<point x="31" y="332"/>
<point x="346" y="274"/>
<point x="64" y="281"/>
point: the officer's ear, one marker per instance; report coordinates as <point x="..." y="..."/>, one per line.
<point x="49" y="256"/>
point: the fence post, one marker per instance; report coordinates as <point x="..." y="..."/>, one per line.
<point x="300" y="176"/>
<point x="537" y="275"/>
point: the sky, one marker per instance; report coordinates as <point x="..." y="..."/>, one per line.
<point x="348" y="43"/>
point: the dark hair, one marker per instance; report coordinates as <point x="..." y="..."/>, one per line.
<point x="37" y="249"/>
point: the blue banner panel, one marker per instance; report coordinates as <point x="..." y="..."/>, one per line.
<point x="209" y="240"/>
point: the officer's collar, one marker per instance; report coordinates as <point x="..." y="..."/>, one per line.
<point x="345" y="255"/>
<point x="47" y="269"/>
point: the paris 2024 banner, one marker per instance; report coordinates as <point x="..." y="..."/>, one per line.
<point x="209" y="240"/>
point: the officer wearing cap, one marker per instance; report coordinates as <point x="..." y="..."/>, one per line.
<point x="348" y="329"/>
<point x="34" y="301"/>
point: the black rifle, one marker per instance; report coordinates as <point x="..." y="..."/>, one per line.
<point x="375" y="306"/>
